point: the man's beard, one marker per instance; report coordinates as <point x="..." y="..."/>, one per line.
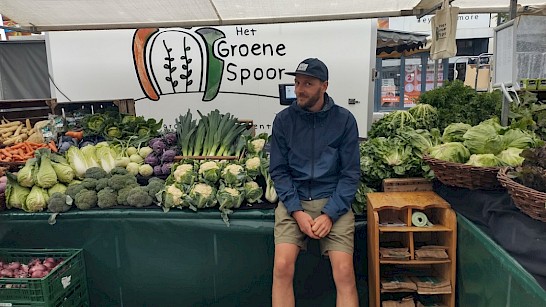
<point x="307" y="103"/>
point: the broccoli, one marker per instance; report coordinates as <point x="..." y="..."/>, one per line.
<point x="118" y="182"/>
<point x="138" y="197"/>
<point x="154" y="186"/>
<point x="107" y="198"/>
<point x="95" y="173"/>
<point x="74" y="189"/>
<point x="123" y="194"/>
<point x="101" y="184"/>
<point x="89" y="183"/>
<point x="57" y="203"/>
<point x="118" y="170"/>
<point x="86" y="199"/>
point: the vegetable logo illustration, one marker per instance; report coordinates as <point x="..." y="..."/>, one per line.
<point x="187" y="62"/>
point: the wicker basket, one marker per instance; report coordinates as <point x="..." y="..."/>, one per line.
<point x="529" y="201"/>
<point x="464" y="176"/>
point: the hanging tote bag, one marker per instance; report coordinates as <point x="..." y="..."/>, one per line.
<point x="444" y="30"/>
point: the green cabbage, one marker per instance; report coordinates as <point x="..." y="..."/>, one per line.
<point x="59" y="187"/>
<point x="452" y="151"/>
<point x="16" y="195"/>
<point x="511" y="157"/>
<point x="36" y="200"/>
<point x="25" y="176"/>
<point x="45" y="176"/>
<point x="518" y="138"/>
<point x="484" y="160"/>
<point x="454" y="132"/>
<point x="64" y="171"/>
<point x="483" y="139"/>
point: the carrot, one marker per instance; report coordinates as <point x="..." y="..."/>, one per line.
<point x="78" y="135"/>
<point x="5" y="152"/>
<point x="35" y="145"/>
<point x="52" y="146"/>
<point x="17" y="146"/>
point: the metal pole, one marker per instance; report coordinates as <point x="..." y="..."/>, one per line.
<point x="513" y="9"/>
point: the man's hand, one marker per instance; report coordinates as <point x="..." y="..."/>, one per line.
<point x="305" y="222"/>
<point x="322" y="225"/>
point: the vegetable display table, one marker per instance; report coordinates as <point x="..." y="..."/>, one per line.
<point x="146" y="257"/>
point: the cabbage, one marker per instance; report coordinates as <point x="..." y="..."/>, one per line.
<point x="454" y="132"/>
<point x="483" y="139"/>
<point x="59" y="187"/>
<point x="45" y="176"/>
<point x="511" y="157"/>
<point x="36" y="200"/>
<point x="25" y="176"/>
<point x="16" y="195"/>
<point x="65" y="173"/>
<point x="77" y="161"/>
<point x="453" y="152"/>
<point x="518" y="138"/>
<point x="484" y="160"/>
<point x="106" y="155"/>
<point x="90" y="154"/>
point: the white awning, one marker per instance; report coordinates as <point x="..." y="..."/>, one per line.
<point x="55" y="15"/>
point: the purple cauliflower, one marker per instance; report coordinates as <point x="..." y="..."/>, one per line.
<point x="170" y="138"/>
<point x="159" y="147"/>
<point x="166" y="168"/>
<point x="152" y="142"/>
<point x="151" y="159"/>
<point x="158" y="170"/>
<point x="168" y="156"/>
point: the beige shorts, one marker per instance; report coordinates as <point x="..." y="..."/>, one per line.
<point x="340" y="238"/>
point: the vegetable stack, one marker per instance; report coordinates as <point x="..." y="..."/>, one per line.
<point x="215" y="134"/>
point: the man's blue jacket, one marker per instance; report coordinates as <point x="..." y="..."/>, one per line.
<point x="315" y="155"/>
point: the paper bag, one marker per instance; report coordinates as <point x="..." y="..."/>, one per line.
<point x="444" y="30"/>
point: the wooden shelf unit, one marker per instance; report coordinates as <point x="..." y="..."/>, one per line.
<point x="443" y="232"/>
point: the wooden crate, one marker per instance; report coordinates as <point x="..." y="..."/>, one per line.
<point x="406" y="184"/>
<point x="33" y="109"/>
<point x="126" y="106"/>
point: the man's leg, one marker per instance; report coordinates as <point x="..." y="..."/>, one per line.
<point x="344" y="278"/>
<point x="283" y="274"/>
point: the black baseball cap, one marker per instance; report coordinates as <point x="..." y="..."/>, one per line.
<point x="312" y="67"/>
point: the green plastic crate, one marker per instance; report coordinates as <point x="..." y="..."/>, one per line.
<point x="65" y="285"/>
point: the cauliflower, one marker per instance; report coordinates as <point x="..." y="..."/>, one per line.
<point x="258" y="145"/>
<point x="173" y="196"/>
<point x="202" y="195"/>
<point x="253" y="192"/>
<point x="209" y="172"/>
<point x="184" y="174"/>
<point x="229" y="198"/>
<point x="253" y="167"/>
<point x="233" y="175"/>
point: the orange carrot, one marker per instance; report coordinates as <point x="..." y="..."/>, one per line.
<point x="5" y="152"/>
<point x="52" y="146"/>
<point x="78" y="135"/>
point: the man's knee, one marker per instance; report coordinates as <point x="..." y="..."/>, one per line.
<point x="344" y="274"/>
<point x="283" y="268"/>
